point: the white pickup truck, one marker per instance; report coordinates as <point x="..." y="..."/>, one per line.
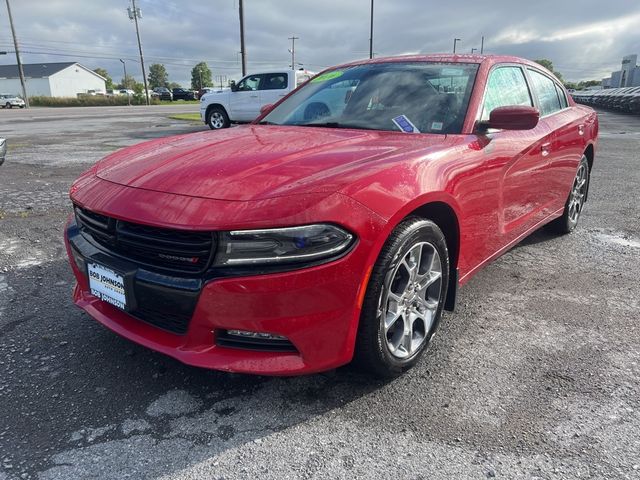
<point x="242" y="102"/>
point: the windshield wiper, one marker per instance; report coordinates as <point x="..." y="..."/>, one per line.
<point x="266" y="122"/>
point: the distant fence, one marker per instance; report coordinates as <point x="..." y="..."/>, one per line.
<point x="620" y="99"/>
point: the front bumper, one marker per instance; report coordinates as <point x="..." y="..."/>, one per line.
<point x="315" y="308"/>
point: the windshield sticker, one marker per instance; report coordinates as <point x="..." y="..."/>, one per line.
<point x="328" y="76"/>
<point x="404" y="124"/>
<point x="437" y="126"/>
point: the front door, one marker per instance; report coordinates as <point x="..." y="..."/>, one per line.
<point x="244" y="103"/>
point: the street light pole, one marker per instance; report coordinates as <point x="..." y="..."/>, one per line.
<point x="482" y="46"/>
<point x="124" y="66"/>
<point x="455" y="41"/>
<point x="243" y="53"/>
<point x="134" y="14"/>
<point x="473" y="50"/>
<point x="371" y="33"/>
<point x="20" y="69"/>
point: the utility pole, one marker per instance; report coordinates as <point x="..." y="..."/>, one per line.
<point x="482" y="46"/>
<point x="243" y="53"/>
<point x="134" y="14"/>
<point x="124" y="66"/>
<point x="20" y="70"/>
<point x="371" y="33"/>
<point x="293" y="51"/>
<point x="455" y="42"/>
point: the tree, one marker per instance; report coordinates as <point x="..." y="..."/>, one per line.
<point x="173" y="85"/>
<point x="548" y="64"/>
<point x="108" y="80"/>
<point x="128" y="82"/>
<point x="201" y="76"/>
<point x="158" y="76"/>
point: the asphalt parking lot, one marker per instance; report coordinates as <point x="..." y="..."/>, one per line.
<point x="536" y="375"/>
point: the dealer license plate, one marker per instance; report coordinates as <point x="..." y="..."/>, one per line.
<point x="107" y="285"/>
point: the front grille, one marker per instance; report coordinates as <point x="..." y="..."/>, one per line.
<point x="159" y="248"/>
<point x="224" y="339"/>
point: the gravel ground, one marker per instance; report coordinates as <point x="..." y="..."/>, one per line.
<point x="537" y="374"/>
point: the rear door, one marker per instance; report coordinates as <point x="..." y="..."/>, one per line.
<point x="568" y="142"/>
<point x="244" y="103"/>
<point x="274" y="86"/>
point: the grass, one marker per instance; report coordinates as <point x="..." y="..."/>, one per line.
<point x="191" y="117"/>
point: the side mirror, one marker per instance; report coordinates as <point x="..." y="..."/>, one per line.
<point x="3" y="150"/>
<point x="266" y="108"/>
<point x="233" y="85"/>
<point x="514" y="117"/>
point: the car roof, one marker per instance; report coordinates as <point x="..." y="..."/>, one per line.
<point x="449" y="58"/>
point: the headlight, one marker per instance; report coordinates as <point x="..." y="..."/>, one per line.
<point x="282" y="245"/>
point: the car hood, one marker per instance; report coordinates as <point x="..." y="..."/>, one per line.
<point x="258" y="161"/>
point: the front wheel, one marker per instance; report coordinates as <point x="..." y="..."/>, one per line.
<point x="404" y="299"/>
<point x="575" y="203"/>
<point x="218" y="119"/>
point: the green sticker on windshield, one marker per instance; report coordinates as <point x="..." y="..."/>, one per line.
<point x="328" y="76"/>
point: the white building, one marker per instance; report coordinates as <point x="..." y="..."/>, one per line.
<point x="51" y="79"/>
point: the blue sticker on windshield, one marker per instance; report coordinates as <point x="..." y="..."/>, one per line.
<point x="404" y="124"/>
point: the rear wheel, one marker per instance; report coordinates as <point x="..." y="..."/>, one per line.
<point x="7" y="105"/>
<point x="218" y="119"/>
<point x="575" y="203"/>
<point x="404" y="298"/>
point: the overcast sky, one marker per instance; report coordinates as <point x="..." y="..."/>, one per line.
<point x="585" y="39"/>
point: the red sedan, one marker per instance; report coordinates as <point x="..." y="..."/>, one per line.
<point x="339" y="224"/>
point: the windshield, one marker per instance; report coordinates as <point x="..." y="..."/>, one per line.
<point x="416" y="97"/>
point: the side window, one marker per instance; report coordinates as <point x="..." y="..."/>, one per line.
<point x="564" y="103"/>
<point x="249" y="83"/>
<point x="506" y="86"/>
<point x="274" y="81"/>
<point x="547" y="93"/>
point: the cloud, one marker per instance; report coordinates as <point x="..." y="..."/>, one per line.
<point x="584" y="40"/>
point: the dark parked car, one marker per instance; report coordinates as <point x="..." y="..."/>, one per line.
<point x="163" y="93"/>
<point x="183" y="94"/>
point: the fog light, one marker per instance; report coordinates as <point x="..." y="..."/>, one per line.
<point x="246" y="334"/>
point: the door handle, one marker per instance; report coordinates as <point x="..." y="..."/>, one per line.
<point x="253" y="96"/>
<point x="581" y="130"/>
<point x="545" y="149"/>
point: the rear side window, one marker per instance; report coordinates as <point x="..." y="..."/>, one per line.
<point x="507" y="86"/>
<point x="274" y="81"/>
<point x="547" y="93"/>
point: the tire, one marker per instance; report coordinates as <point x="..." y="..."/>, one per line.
<point x="8" y="105"/>
<point x="393" y="305"/>
<point x="574" y="205"/>
<point x="217" y="118"/>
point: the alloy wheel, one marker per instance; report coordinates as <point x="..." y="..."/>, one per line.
<point x="216" y="120"/>
<point x="410" y="300"/>
<point x="577" y="195"/>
